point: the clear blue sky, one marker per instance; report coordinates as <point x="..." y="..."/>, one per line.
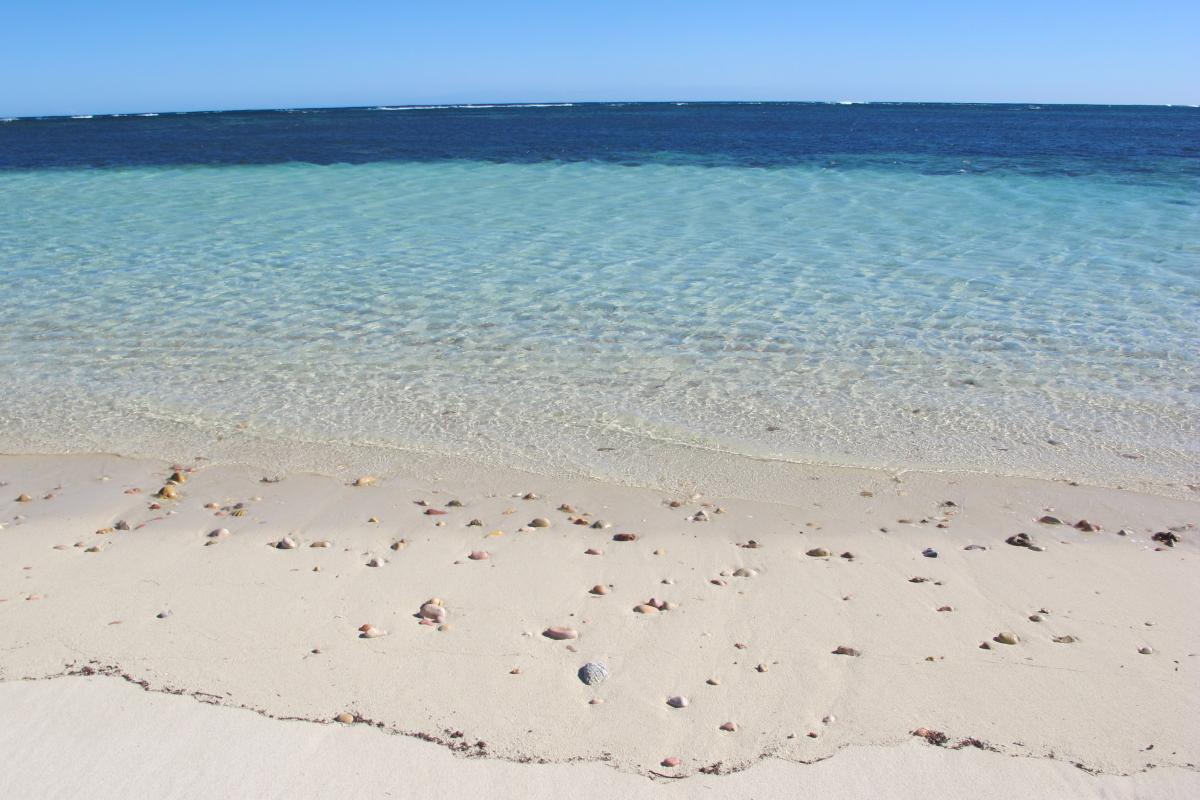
<point x="100" y="56"/>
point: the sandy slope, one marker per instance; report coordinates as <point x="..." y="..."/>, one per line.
<point x="105" y="739"/>
<point x="247" y="624"/>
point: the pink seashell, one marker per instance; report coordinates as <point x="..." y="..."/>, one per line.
<point x="672" y="761"/>
<point x="479" y="555"/>
<point x="434" y="512"/>
<point x="729" y="726"/>
<point x="560" y="633"/>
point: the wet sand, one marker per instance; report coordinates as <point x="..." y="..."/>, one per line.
<point x="847" y="609"/>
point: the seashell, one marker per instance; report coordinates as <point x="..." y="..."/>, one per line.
<point x="168" y="492"/>
<point x="818" y="552"/>
<point x="842" y="650"/>
<point x="434" y="512"/>
<point x="567" y="508"/>
<point x="370" y="632"/>
<point x="475" y="523"/>
<point x="742" y="572"/>
<point x="479" y="555"/>
<point x="945" y="608"/>
<point x="593" y="673"/>
<point x="1049" y="520"/>
<point x="560" y="633"/>
<point x="595" y="701"/>
<point x="1145" y="650"/>
<point x="373" y="520"/>
<point x="1006" y="637"/>
<point x="929" y="552"/>
<point x="599" y="588"/>
<point x="212" y="506"/>
<point x="761" y="668"/>
<point x="700" y="516"/>
<point x="344" y="718"/>
<point x="365" y="480"/>
<point x="178" y="477"/>
<point x="433" y="612"/>
<point x="828" y="719"/>
<point x="529" y="496"/>
<point x="286" y="543"/>
<point x="716" y="582"/>
<point x="975" y="547"/>
<point x="645" y="608"/>
<point x="321" y="543"/>
<point x="1065" y="639"/>
<point x="729" y="726"/>
<point x="24" y="498"/>
<point x="238" y="512"/>
<point x="1086" y="527"/>
<point x="1018" y="540"/>
<point x="376" y="562"/>
<point x="600" y="524"/>
<point x="671" y="761"/>
<point x="399" y="544"/>
<point x="539" y="522"/>
<point x="219" y="533"/>
<point x="625" y="537"/>
<point x="591" y="551"/>
<point x="713" y="681"/>
<point x="677" y="701"/>
<point x="454" y="504"/>
<point x="121" y="525"/>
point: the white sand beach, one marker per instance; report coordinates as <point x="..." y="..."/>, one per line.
<point x="742" y="639"/>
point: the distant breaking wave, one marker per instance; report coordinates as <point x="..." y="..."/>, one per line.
<point x="474" y="105"/>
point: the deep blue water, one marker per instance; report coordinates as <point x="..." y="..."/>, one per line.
<point x="930" y="137"/>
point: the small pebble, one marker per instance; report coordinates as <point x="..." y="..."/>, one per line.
<point x="929" y="552"/>
<point x="677" y="701"/>
<point x="818" y="552"/>
<point x="1006" y="637"/>
<point x="539" y="522"/>
<point x="625" y="537"/>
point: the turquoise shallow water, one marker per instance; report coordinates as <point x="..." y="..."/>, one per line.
<point x="566" y="317"/>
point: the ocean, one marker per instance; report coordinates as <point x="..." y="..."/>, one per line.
<point x="624" y="291"/>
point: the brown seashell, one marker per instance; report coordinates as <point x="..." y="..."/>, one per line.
<point x="454" y="504"/>
<point x="818" y="552"/>
<point x="365" y="480"/>
<point x="567" y="508"/>
<point x="168" y="492"/>
<point x="475" y="523"/>
<point x="560" y="633"/>
<point x="625" y="537"/>
<point x="599" y="588"/>
<point x="24" y="498"/>
<point x="645" y="608"/>
<point x="178" y="477"/>
<point x="842" y="650"/>
<point x="344" y="718"/>
<point x="434" y="512"/>
<point x="1005" y="637"/>
<point x="1086" y="527"/>
<point x="371" y="632"/>
<point x="539" y="522"/>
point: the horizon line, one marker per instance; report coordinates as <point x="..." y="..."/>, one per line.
<point x="572" y="103"/>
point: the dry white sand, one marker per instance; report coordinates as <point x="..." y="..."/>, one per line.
<point x="103" y="738"/>
<point x="246" y="624"/>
